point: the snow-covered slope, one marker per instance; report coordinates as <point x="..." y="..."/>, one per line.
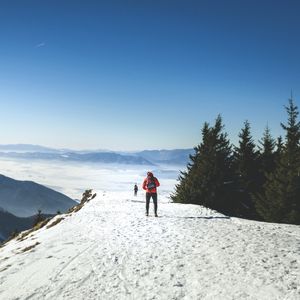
<point x="111" y="250"/>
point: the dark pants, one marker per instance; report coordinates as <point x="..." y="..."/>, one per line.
<point x="154" y="197"/>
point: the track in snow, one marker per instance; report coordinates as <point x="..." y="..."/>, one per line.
<point x="111" y="250"/>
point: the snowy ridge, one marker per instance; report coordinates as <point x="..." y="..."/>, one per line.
<point x="110" y="250"/>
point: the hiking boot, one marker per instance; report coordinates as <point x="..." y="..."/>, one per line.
<point x="147" y="214"/>
<point x="156" y="215"/>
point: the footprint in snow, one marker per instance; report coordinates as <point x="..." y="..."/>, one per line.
<point x="178" y="284"/>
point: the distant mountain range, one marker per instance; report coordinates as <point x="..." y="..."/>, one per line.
<point x="101" y="157"/>
<point x="25" y="198"/>
<point x="146" y="157"/>
<point x="28" y="148"/>
<point x="176" y="156"/>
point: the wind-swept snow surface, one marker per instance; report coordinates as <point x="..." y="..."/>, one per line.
<point x="111" y="250"/>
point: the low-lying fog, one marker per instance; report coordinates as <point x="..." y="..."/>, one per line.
<point x="73" y="178"/>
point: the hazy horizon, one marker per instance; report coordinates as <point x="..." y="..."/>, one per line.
<point x="90" y="149"/>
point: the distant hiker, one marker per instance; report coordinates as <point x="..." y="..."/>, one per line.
<point x="135" y="189"/>
<point x="149" y="185"/>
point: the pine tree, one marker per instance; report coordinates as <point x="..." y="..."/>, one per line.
<point x="247" y="170"/>
<point x="267" y="163"/>
<point x="279" y="148"/>
<point x="38" y="218"/>
<point x="267" y="156"/>
<point x="13" y="234"/>
<point x="209" y="174"/>
<point x="280" y="201"/>
<point x="183" y="192"/>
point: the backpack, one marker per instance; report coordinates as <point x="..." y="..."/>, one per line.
<point x="151" y="183"/>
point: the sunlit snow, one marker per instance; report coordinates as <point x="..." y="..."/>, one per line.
<point x="111" y="250"/>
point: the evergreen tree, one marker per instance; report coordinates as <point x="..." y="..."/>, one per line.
<point x="13" y="234"/>
<point x="267" y="157"/>
<point x="267" y="164"/>
<point x="279" y="149"/>
<point x="280" y="201"/>
<point x="247" y="170"/>
<point x="183" y="192"/>
<point x="38" y="218"/>
<point x="209" y="174"/>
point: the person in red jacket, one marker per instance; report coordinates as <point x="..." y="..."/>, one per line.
<point x="149" y="185"/>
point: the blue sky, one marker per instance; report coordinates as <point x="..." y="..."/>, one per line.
<point x="129" y="75"/>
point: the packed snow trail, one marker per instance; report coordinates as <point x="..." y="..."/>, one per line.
<point x="111" y="250"/>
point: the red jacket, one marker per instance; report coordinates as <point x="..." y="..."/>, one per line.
<point x="145" y="183"/>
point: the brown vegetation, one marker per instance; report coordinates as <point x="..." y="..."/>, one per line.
<point x="30" y="247"/>
<point x="58" y="220"/>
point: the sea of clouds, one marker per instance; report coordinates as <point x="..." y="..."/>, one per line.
<point x="72" y="179"/>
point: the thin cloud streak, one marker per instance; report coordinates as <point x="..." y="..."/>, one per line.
<point x="40" y="45"/>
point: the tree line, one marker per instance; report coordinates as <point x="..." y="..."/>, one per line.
<point x="259" y="182"/>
